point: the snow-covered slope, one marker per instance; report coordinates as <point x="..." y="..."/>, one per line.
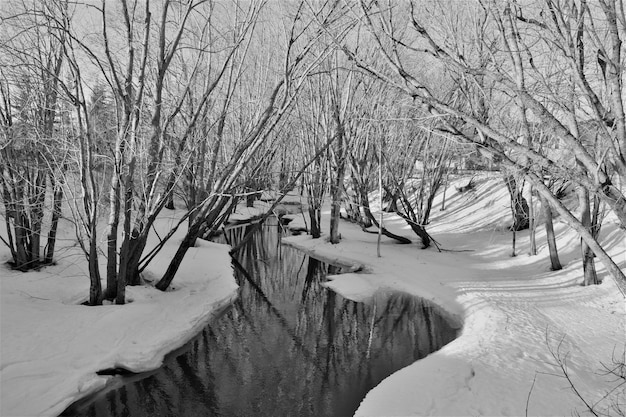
<point x="519" y="319"/>
<point x="52" y="346"/>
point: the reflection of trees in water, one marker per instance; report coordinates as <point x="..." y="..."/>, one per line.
<point x="328" y="333"/>
<point x="160" y="394"/>
<point x="287" y="346"/>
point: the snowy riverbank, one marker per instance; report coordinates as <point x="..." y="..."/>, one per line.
<point x="514" y="310"/>
<point x="52" y="346"/>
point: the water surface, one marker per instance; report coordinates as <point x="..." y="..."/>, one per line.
<point x="287" y="347"/>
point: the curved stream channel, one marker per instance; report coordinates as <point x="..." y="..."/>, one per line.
<point x="288" y="346"/>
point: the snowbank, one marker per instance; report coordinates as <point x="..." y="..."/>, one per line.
<point x="52" y="346"/>
<point x="515" y="312"/>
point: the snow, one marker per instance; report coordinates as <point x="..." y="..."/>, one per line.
<point x="52" y="346"/>
<point x="511" y="313"/>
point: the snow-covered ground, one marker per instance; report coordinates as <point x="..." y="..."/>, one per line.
<point x="513" y="312"/>
<point x="51" y="346"/>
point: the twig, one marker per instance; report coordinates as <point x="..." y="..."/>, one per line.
<point x="562" y="364"/>
<point x="530" y="392"/>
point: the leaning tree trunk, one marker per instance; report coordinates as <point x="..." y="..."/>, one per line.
<point x="170" y="195"/>
<point x="392" y="197"/>
<point x="196" y="228"/>
<point x="613" y="269"/>
<point x="418" y="229"/>
<point x="188" y="241"/>
<point x="411" y="219"/>
<point x="368" y="214"/>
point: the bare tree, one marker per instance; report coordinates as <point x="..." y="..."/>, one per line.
<point x="298" y="60"/>
<point x="312" y="127"/>
<point x="153" y="202"/>
<point x="33" y="57"/>
<point x="513" y="153"/>
<point x="138" y="191"/>
<point x="341" y="97"/>
<point x="416" y="168"/>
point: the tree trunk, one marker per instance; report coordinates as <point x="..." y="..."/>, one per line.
<point x="392" y="197"/>
<point x="192" y="194"/>
<point x="335" y="193"/>
<point x="372" y="218"/>
<point x="445" y="187"/>
<point x="589" y="266"/>
<point x="314" y="216"/>
<point x="531" y="224"/>
<point x="315" y="196"/>
<point x="170" y="196"/>
<point x="123" y="276"/>
<point x="95" y="286"/>
<point x="513" y="241"/>
<point x="589" y="269"/>
<point x="37" y="205"/>
<point x="555" y="264"/>
<point x="366" y="219"/>
<point x="21" y="227"/>
<point x="429" y="206"/>
<point x="8" y="215"/>
<point x="188" y="242"/>
<point x="250" y="198"/>
<point x="417" y="229"/>
<point x="336" y="184"/>
<point x="136" y="246"/>
<point x="201" y="223"/>
<point x="56" y="214"/>
<point x="571" y="220"/>
<point x="519" y="205"/>
<point x="114" y="217"/>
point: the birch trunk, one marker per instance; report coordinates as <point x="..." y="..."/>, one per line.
<point x="555" y="263"/>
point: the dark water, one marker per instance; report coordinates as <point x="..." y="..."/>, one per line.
<point x="287" y="347"/>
